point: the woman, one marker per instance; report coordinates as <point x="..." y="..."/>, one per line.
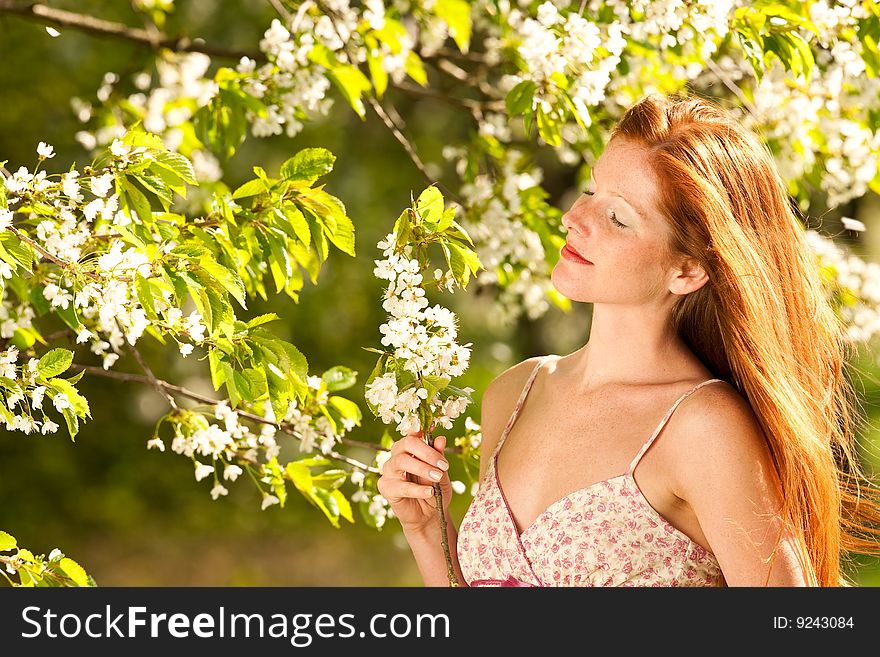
<point x="708" y="314"/>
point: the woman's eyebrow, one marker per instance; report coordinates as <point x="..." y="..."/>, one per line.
<point x="596" y="181"/>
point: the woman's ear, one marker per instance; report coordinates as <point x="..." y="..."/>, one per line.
<point x="689" y="276"/>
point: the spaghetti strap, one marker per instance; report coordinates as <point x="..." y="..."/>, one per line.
<point x="520" y="401"/>
<point x="660" y="426"/>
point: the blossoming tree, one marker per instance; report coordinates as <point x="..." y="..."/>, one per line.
<point x="150" y="242"/>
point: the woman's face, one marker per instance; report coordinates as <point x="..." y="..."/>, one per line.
<point x="619" y="230"/>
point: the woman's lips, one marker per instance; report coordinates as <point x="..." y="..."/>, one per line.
<point x="570" y="254"/>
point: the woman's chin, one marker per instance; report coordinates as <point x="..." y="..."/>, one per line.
<point x="570" y="289"/>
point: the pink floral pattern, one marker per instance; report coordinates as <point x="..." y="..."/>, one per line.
<point x="606" y="534"/>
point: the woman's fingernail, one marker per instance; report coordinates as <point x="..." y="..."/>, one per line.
<point x="436" y="476"/>
<point x="443" y="464"/>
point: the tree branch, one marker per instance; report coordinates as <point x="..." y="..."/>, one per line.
<point x="276" y="4"/>
<point x="153" y="379"/>
<point x="84" y="23"/>
<point x="281" y="426"/>
<point x="732" y="86"/>
<point x="467" y="103"/>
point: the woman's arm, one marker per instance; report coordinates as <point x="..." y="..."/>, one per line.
<point x="725" y="472"/>
<point x="428" y="552"/>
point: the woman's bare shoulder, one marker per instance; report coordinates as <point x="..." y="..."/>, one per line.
<point x="497" y="402"/>
<point x="717" y="425"/>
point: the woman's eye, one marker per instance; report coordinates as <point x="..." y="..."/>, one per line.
<point x="613" y="215"/>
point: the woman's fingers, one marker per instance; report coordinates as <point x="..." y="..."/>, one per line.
<point x="415" y="445"/>
<point x="396" y="489"/>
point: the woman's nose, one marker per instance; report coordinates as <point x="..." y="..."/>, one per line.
<point x="569" y="223"/>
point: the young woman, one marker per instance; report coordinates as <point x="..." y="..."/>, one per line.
<point x="709" y="315"/>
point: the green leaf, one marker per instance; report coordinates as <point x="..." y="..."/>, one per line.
<point x="415" y="68"/>
<point x="343" y="504"/>
<point x="330" y="479"/>
<point x="434" y="384"/>
<point x="231" y="385"/>
<point x="76" y="377"/>
<point x="328" y="504"/>
<point x="430" y="205"/>
<point x="139" y="137"/>
<point x="457" y="14"/>
<point x="353" y="84"/>
<point x="73" y="570"/>
<point x="300" y="475"/>
<point x="54" y="362"/>
<point x="250" y="188"/>
<point x="298" y="222"/>
<point x="256" y="381"/>
<point x="377" y="72"/>
<point x="69" y="316"/>
<point x="346" y="408"/>
<point x="463" y="262"/>
<point x="549" y="128"/>
<point x="78" y="402"/>
<point x="262" y="319"/>
<point x="218" y="376"/>
<point x="137" y="201"/>
<point x="176" y="163"/>
<point x="72" y="423"/>
<point x="7" y="541"/>
<point x="229" y="279"/>
<point x="339" y="378"/>
<point x="343" y="235"/>
<point x="192" y="251"/>
<point x="39" y="301"/>
<point x="19" y="250"/>
<point x="519" y="99"/>
<point x="145" y="296"/>
<point x="309" y="165"/>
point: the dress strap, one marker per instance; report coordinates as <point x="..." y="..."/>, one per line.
<point x="520" y="401"/>
<point x="660" y="426"/>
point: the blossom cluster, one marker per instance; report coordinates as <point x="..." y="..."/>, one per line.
<point x="314" y="432"/>
<point x="227" y="441"/>
<point x="222" y="443"/>
<point x="422" y="338"/>
<point x="165" y="101"/>
<point x="107" y="304"/>
<point x="494" y="219"/>
<point x="23" y="393"/>
<point x="857" y="283"/>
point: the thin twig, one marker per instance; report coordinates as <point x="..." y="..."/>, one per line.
<point x="281" y="426"/>
<point x="98" y="26"/>
<point x="733" y="87"/>
<point x="410" y="150"/>
<point x="281" y="10"/>
<point x="468" y="103"/>
<point x="64" y="264"/>
<point x="153" y="379"/>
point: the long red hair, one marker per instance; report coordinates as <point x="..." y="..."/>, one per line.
<point x="764" y="321"/>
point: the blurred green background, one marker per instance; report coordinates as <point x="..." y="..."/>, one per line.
<point x="134" y="517"/>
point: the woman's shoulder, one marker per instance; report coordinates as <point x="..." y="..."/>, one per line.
<point x="503" y="391"/>
<point x="716" y="427"/>
<point x="499" y="399"/>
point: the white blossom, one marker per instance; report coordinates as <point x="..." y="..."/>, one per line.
<point x="203" y="470"/>
<point x="218" y="490"/>
<point x="45" y="151"/>
<point x="61" y="401"/>
<point x="231" y="472"/>
<point x="156" y="442"/>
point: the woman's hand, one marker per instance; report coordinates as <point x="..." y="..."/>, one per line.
<point x="407" y="484"/>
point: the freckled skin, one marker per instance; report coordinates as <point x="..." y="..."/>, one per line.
<point x="626" y="260"/>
